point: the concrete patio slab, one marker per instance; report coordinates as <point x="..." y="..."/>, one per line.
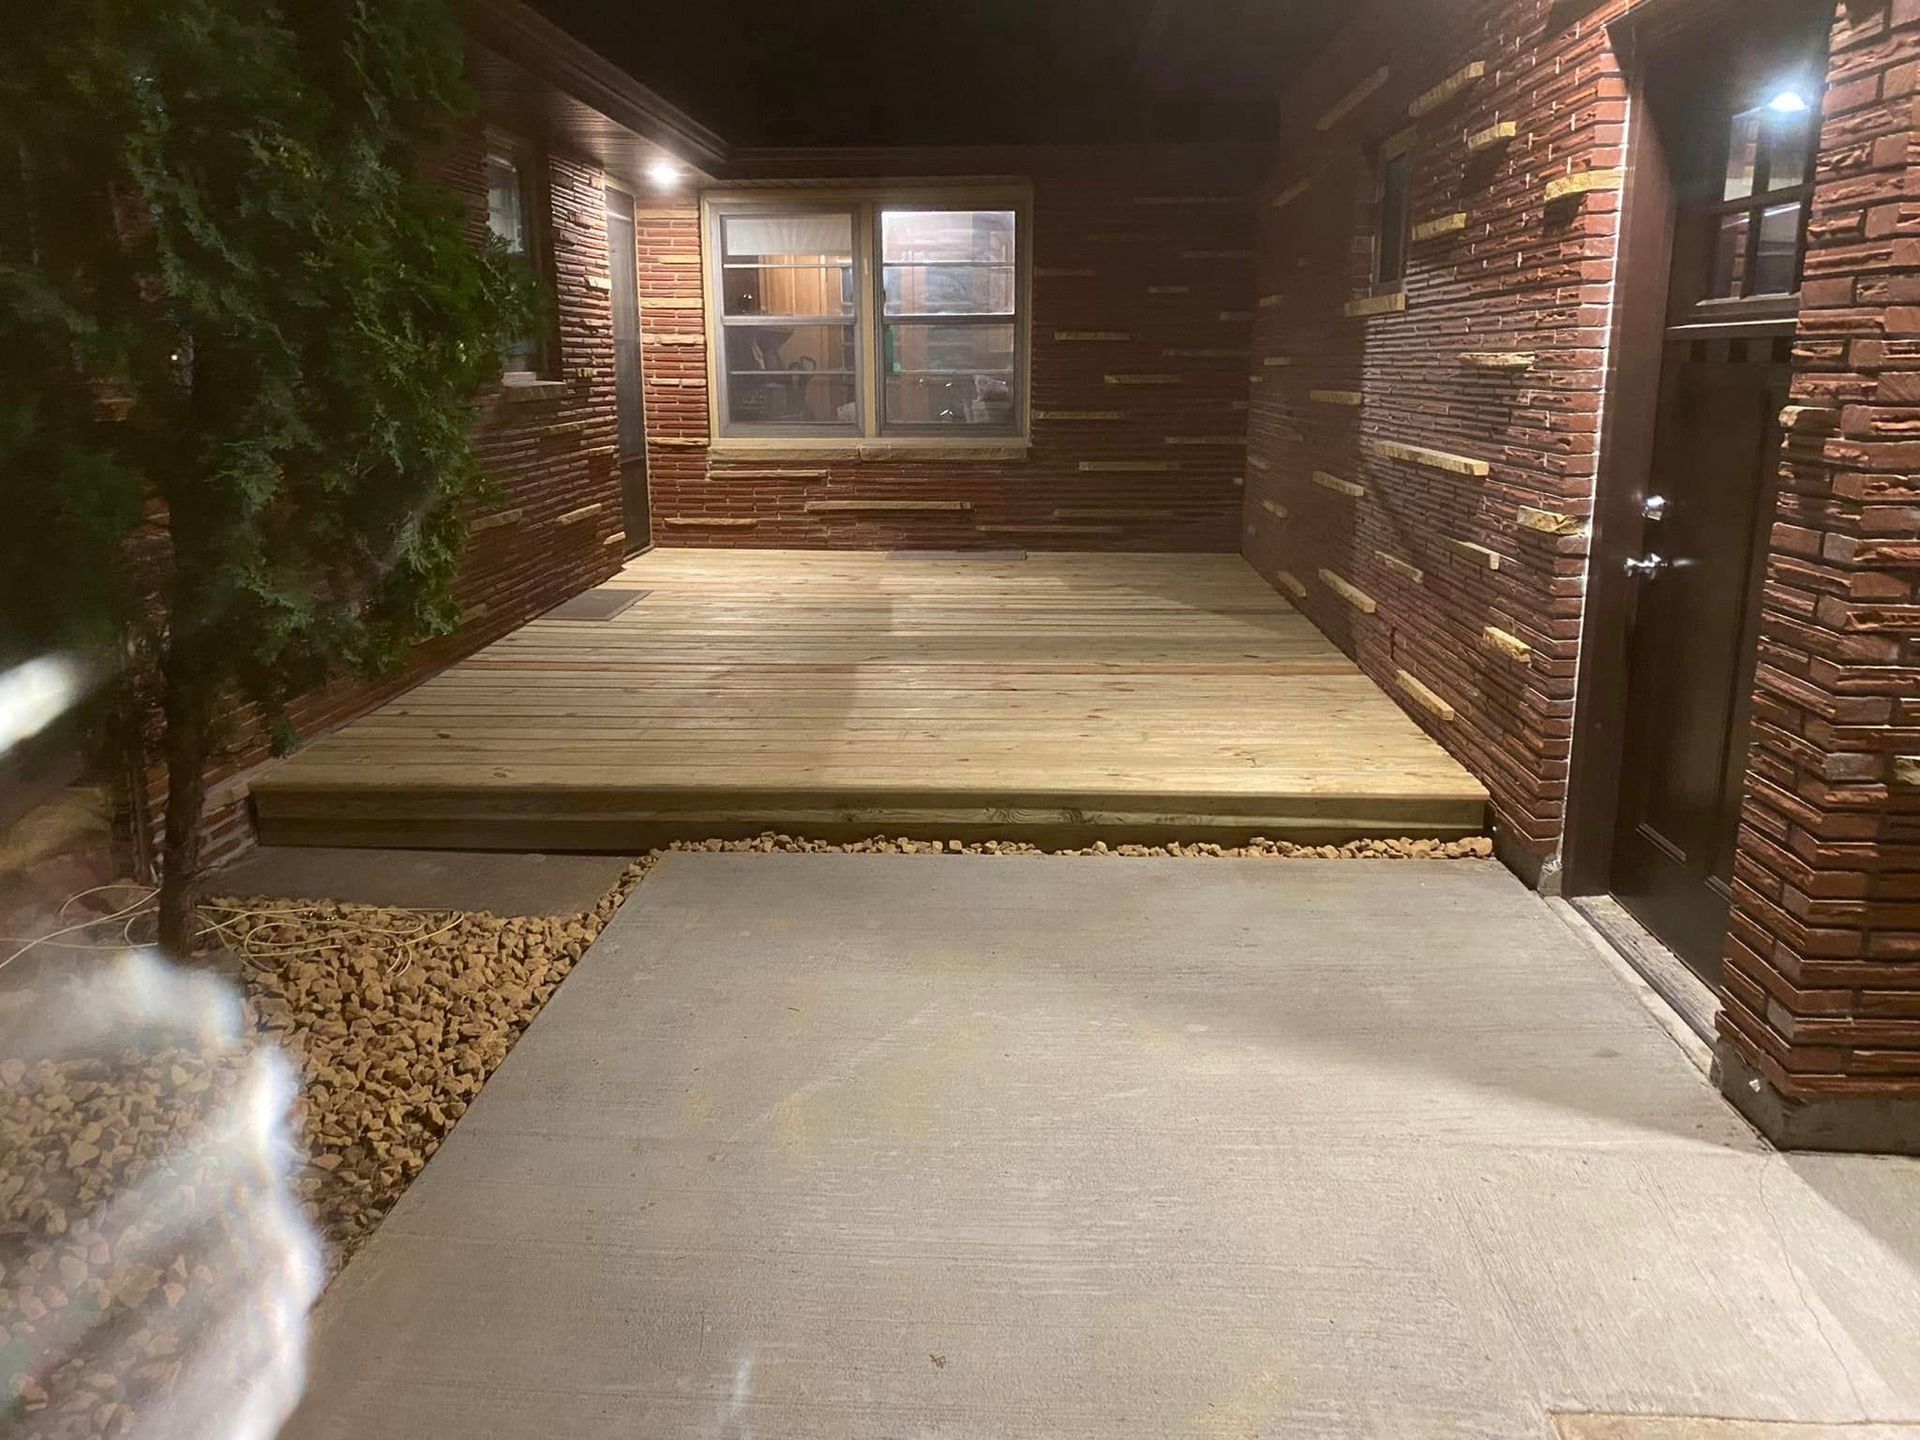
<point x="869" y="1146"/>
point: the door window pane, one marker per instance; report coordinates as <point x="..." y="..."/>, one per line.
<point x="950" y="375"/>
<point x="1789" y="144"/>
<point x="790" y="375"/>
<point x="1743" y="154"/>
<point x="1776" y="268"/>
<point x="1729" y="258"/>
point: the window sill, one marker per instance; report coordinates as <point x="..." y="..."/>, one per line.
<point x="519" y="389"/>
<point x="871" y="451"/>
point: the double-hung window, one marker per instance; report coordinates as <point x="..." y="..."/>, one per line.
<point x="868" y="318"/>
<point x="514" y="201"/>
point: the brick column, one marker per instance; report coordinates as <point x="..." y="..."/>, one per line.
<point x="1820" y="1035"/>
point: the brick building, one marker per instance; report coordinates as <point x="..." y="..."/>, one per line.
<point x="1559" y="360"/>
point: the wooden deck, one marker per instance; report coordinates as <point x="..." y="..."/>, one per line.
<point x="1057" y="698"/>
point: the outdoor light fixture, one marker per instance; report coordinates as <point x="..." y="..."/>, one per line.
<point x="1789" y="101"/>
<point x="664" y="173"/>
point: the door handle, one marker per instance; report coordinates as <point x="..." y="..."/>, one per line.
<point x="1647" y="566"/>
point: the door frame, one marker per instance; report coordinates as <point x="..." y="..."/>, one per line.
<point x="1631" y="401"/>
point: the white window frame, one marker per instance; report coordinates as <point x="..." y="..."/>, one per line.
<point x="871" y="433"/>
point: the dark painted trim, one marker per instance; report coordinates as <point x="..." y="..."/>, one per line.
<point x="1626" y="455"/>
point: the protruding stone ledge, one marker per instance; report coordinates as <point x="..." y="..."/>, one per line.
<point x="1144" y="379"/>
<point x="708" y="522"/>
<point x="1349" y="592"/>
<point x="1119" y="512"/>
<point x="1453" y="86"/>
<point x="1551" y="522"/>
<point x="498" y="520"/>
<point x="1429" y="700"/>
<point x="1431" y="459"/>
<point x="1498" y="359"/>
<point x="1334" y="483"/>
<point x="1079" y="414"/>
<point x="1128" y="467"/>
<point x="883" y="507"/>
<point x="1275" y="509"/>
<point x="1290" y="583"/>
<point x="1402" y="568"/>
<point x="1507" y="643"/>
<point x="1500" y="133"/>
<point x="1353" y="99"/>
<point x="1292" y="193"/>
<point x="1440" y="225"/>
<point x="1096" y="336"/>
<point x="1394" y="303"/>
<point x="1485" y="558"/>
<point x="1048" y="529"/>
<point x="1584" y="182"/>
<point x="1345" y="399"/>
<point x="584" y="512"/>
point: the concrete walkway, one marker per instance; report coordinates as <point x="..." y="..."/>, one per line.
<point x="858" y="1146"/>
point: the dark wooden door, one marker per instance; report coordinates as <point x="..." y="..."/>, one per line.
<point x="1734" y="103"/>
<point x="1694" y="639"/>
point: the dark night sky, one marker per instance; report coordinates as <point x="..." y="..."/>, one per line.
<point x="958" y="72"/>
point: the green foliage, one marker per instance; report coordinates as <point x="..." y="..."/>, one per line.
<point x="242" y="334"/>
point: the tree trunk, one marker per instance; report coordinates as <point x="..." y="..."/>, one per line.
<point x="186" y="712"/>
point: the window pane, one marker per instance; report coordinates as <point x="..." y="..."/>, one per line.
<point x="949" y="374"/>
<point x="1394" y="222"/>
<point x="506" y="204"/>
<point x="949" y="289"/>
<point x="1789" y="141"/>
<point x="799" y="239"/>
<point x="787" y="290"/>
<point x="1776" y="270"/>
<point x="1729" y="258"/>
<point x="1743" y="153"/>
<point x="799" y="264"/>
<point x="926" y="237"/>
<point x="790" y="375"/>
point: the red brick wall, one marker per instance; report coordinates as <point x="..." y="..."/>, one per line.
<point x="1823" y="964"/>
<point x="1436" y="559"/>
<point x="1153" y="252"/>
<point x="554" y="528"/>
<point x="1470" y="585"/>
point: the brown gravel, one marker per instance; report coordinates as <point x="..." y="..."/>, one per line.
<point x="392" y="1020"/>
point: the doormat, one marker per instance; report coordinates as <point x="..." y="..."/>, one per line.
<point x="956" y="555"/>
<point x="601" y="603"/>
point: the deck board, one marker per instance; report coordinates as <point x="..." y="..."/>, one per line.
<point x="1059" y="697"/>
